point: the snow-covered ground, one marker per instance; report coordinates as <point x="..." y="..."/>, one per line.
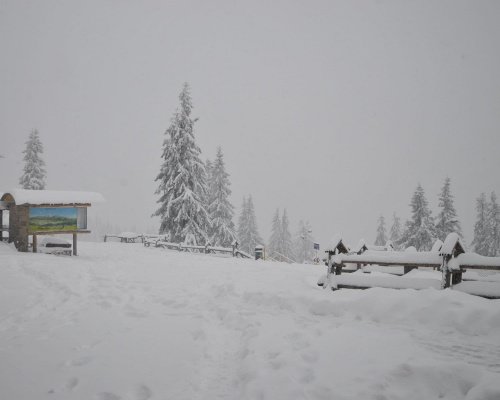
<point x="122" y="321"/>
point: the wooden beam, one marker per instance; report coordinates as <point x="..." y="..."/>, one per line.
<point x="60" y="205"/>
<point x="34" y="244"/>
<point x="74" y="244"/>
<point x="490" y="267"/>
<point x="386" y="264"/>
<point x="57" y="232"/>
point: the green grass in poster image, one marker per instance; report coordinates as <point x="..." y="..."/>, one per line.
<point x="52" y="219"/>
<point x="52" y="223"/>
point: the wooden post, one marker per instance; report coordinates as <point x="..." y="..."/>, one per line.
<point x="456" y="278"/>
<point x="105" y="237"/>
<point x="445" y="280"/>
<point x="408" y="269"/>
<point x="74" y="244"/>
<point x="1" y="225"/>
<point x="34" y="244"/>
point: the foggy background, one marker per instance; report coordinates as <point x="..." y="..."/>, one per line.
<point x="333" y="109"/>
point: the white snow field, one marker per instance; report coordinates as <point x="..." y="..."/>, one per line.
<point x="122" y="321"/>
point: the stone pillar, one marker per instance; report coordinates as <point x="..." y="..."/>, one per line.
<point x="13" y="224"/>
<point x="19" y="226"/>
<point x="24" y="218"/>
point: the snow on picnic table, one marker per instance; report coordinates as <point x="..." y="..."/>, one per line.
<point x="130" y="322"/>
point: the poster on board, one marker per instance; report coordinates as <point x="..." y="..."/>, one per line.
<point x="47" y="219"/>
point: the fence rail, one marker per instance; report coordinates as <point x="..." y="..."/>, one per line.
<point x="451" y="259"/>
<point x="207" y="249"/>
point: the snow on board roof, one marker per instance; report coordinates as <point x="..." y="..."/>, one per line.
<point x="49" y="197"/>
<point x="449" y="244"/>
<point x="334" y="242"/>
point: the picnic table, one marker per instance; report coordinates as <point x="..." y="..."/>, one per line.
<point x="128" y="237"/>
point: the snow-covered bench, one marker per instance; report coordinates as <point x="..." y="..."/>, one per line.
<point x="55" y="245"/>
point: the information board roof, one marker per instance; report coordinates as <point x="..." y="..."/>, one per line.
<point x="53" y="197"/>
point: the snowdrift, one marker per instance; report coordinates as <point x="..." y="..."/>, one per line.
<point x="130" y="322"/>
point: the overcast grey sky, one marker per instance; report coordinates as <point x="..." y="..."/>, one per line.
<point x="333" y="109"/>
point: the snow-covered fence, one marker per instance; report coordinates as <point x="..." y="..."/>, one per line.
<point x="451" y="259"/>
<point x="207" y="249"/>
<point x="273" y="255"/>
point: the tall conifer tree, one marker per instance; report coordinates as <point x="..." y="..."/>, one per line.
<point x="493" y="227"/>
<point x="248" y="231"/>
<point x="253" y="235"/>
<point x="395" y="232"/>
<point x="34" y="173"/>
<point x="242" y="225"/>
<point x="447" y="221"/>
<point x="304" y="243"/>
<point x="220" y="209"/>
<point x="419" y="230"/>
<point x="381" y="238"/>
<point x="480" y="241"/>
<point x="182" y="178"/>
<point x="276" y="241"/>
<point x="286" y="237"/>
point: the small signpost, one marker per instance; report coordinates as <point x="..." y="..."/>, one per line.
<point x="316" y="259"/>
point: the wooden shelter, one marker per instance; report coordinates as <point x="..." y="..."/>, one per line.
<point x="45" y="212"/>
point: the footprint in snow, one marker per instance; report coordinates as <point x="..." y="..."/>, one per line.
<point x="140" y="392"/>
<point x="310" y="356"/>
<point x="67" y="386"/>
<point x="79" y="362"/>
<point x="106" y="396"/>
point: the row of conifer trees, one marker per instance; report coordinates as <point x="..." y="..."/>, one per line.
<point x="422" y="229"/>
<point x="194" y="197"/>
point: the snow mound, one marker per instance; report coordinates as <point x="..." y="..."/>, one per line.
<point x="7" y="248"/>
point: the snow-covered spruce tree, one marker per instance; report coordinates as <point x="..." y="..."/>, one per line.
<point x="220" y="209"/>
<point x="252" y="236"/>
<point x="381" y="238"/>
<point x="447" y="220"/>
<point x="242" y="226"/>
<point x="182" y="178"/>
<point x="276" y="239"/>
<point x="419" y="230"/>
<point x="304" y="243"/>
<point x="208" y="170"/>
<point x="287" y="240"/>
<point x="493" y="227"/>
<point x="34" y="172"/>
<point x="206" y="199"/>
<point x="395" y="232"/>
<point x="480" y="242"/>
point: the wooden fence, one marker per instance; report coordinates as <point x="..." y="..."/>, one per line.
<point x="451" y="260"/>
<point x="207" y="249"/>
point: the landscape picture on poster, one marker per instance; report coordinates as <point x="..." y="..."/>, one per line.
<point x="52" y="219"/>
